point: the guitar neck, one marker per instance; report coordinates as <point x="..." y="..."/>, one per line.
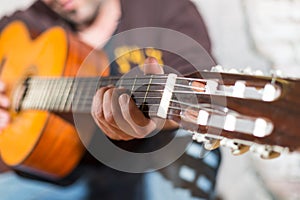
<point x="230" y="105"/>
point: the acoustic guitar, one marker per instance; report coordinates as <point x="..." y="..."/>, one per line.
<point x="242" y="112"/>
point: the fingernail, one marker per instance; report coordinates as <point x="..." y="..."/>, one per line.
<point x="152" y="60"/>
<point x="5" y="103"/>
<point x="5" y="118"/>
<point x="123" y="99"/>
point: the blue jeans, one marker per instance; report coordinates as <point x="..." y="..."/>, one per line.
<point x="14" y="187"/>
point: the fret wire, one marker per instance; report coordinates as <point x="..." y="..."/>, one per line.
<point x="48" y="94"/>
<point x="81" y="104"/>
<point x="38" y="94"/>
<point x="51" y="91"/>
<point x="110" y="81"/>
<point x="58" y="94"/>
<point x="78" y="92"/>
<point x="147" y="90"/>
<point x="133" y="85"/>
<point x="64" y="92"/>
<point x="70" y="95"/>
<point x="30" y="96"/>
<point x="56" y="100"/>
<point x="62" y="95"/>
<point x="90" y="92"/>
<point x="44" y="93"/>
<point x="121" y="83"/>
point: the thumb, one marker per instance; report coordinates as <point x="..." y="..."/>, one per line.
<point x="151" y="66"/>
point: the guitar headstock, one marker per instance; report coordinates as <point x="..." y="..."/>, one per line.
<point x="240" y="111"/>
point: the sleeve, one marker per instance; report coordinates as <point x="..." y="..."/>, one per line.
<point x="38" y="10"/>
<point x="193" y="49"/>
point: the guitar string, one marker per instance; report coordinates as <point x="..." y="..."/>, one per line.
<point x="193" y="88"/>
<point x="87" y="106"/>
<point x="88" y="103"/>
<point x="86" y="100"/>
<point x="91" y="80"/>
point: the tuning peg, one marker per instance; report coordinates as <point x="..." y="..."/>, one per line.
<point x="233" y="71"/>
<point x="264" y="151"/>
<point x="199" y="137"/>
<point x="247" y="70"/>
<point x="236" y="147"/>
<point x="217" y="68"/>
<point x="259" y="73"/>
<point x="211" y="144"/>
<point x="278" y="73"/>
<point x="241" y="149"/>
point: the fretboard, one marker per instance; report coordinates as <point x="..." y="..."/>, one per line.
<point x="76" y="94"/>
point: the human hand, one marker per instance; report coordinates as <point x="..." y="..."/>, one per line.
<point x="4" y="105"/>
<point x="131" y="123"/>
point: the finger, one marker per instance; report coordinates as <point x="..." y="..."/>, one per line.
<point x="112" y="112"/>
<point x="114" y="133"/>
<point x="141" y="125"/>
<point x="106" y="125"/>
<point x="4" y="119"/>
<point x="151" y="66"/>
<point x="4" y="101"/>
<point x="107" y="131"/>
<point x="97" y="113"/>
<point x="2" y="86"/>
<point x="97" y="105"/>
<point x="107" y="106"/>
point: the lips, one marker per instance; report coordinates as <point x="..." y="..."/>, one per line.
<point x="68" y="5"/>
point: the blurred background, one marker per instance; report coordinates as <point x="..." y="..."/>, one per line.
<point x="264" y="35"/>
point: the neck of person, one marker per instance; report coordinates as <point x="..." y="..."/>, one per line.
<point x="103" y="26"/>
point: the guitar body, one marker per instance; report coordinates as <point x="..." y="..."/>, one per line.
<point x="40" y="142"/>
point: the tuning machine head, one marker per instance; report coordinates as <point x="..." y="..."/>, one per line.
<point x="209" y="142"/>
<point x="265" y="151"/>
<point x="236" y="147"/>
